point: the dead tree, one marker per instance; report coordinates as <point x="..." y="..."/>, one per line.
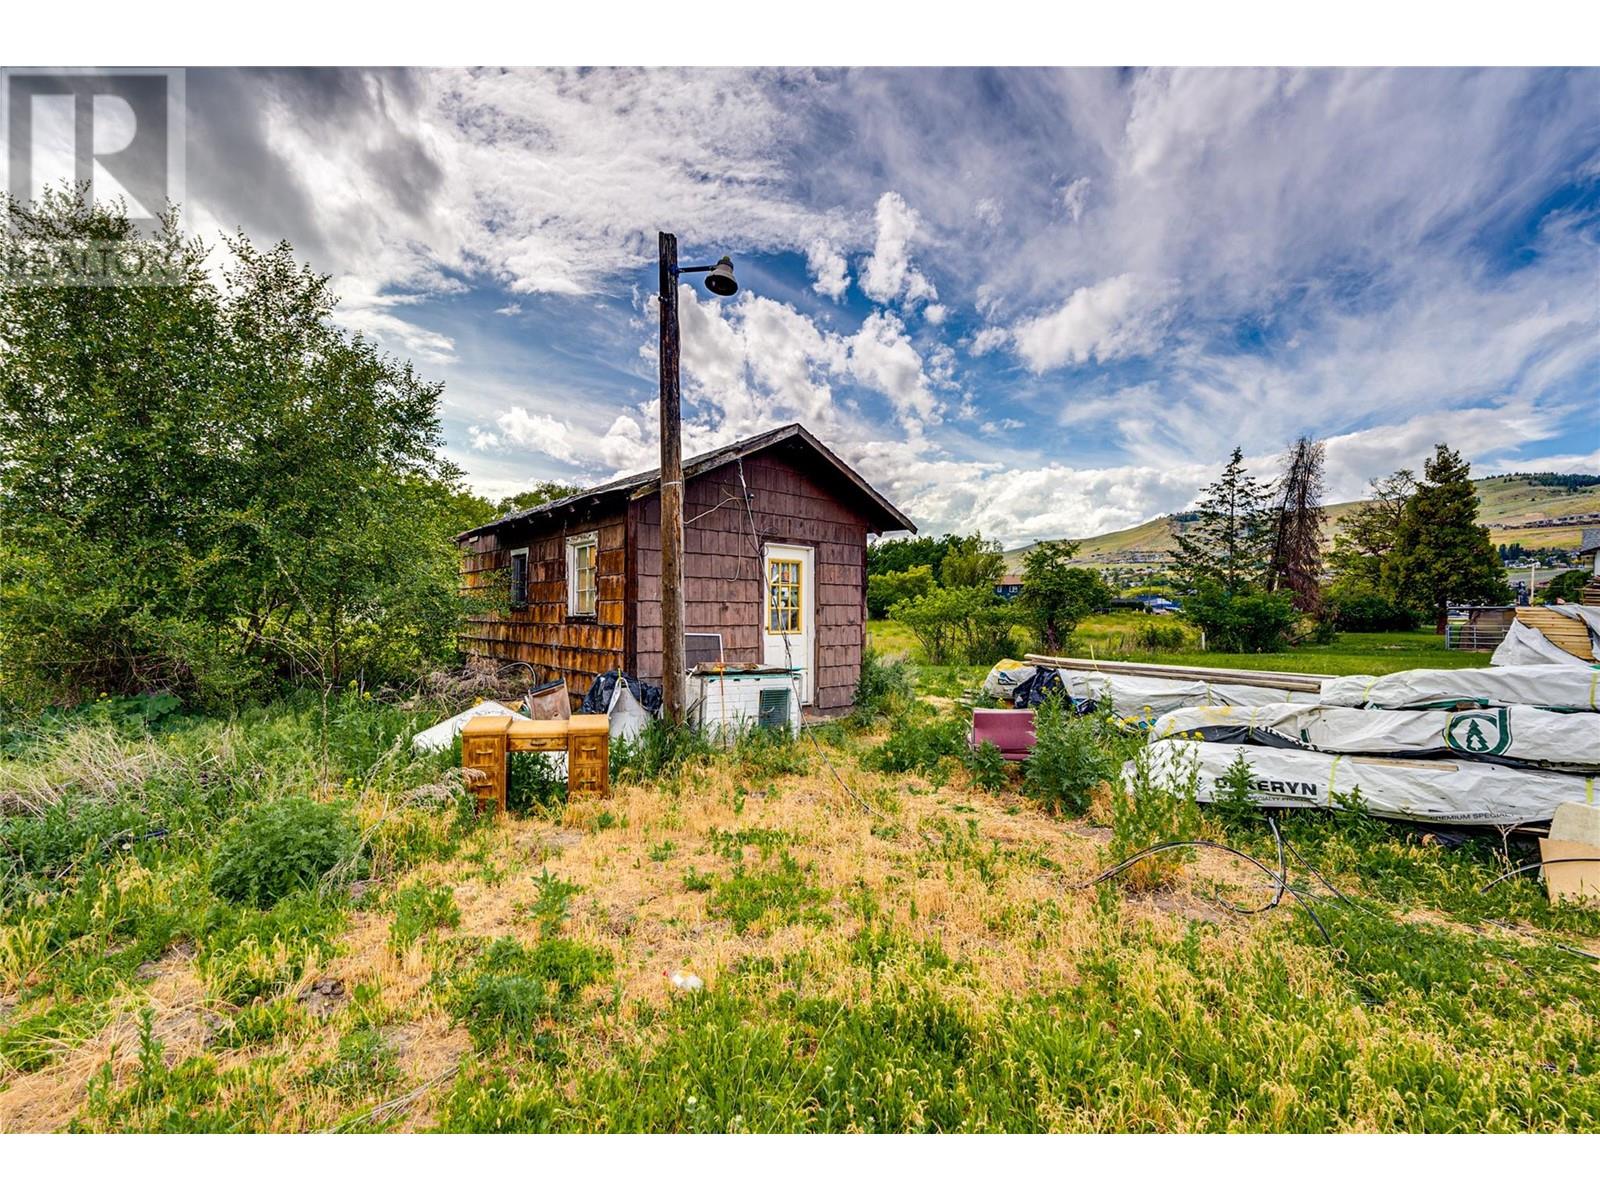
<point x="1296" y="561"/>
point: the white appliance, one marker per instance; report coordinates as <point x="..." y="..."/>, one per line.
<point x="726" y="698"/>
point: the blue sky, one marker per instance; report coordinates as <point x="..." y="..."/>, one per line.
<point x="1042" y="303"/>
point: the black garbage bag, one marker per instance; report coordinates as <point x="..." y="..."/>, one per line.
<point x="1030" y="693"/>
<point x="604" y="686"/>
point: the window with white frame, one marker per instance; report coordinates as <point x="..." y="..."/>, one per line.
<point x="583" y="553"/>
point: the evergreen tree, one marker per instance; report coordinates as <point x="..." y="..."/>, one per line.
<point x="1229" y="541"/>
<point x="1296" y="560"/>
<point x="1441" y="554"/>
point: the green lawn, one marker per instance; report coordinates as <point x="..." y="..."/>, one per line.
<point x="1108" y="636"/>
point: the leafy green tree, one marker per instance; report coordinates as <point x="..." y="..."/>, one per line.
<point x="210" y="484"/>
<point x="1365" y="539"/>
<point x="1567" y="586"/>
<point x="1056" y="596"/>
<point x="972" y="562"/>
<point x="1229" y="540"/>
<point x="542" y="492"/>
<point x="901" y="554"/>
<point x="887" y="590"/>
<point x="1441" y="554"/>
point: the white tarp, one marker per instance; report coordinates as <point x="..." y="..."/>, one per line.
<point x="1143" y="698"/>
<point x="1525" y="646"/>
<point x="1134" y="697"/>
<point x="1519" y="732"/>
<point x="437" y="737"/>
<point x="1553" y="686"/>
<point x="1442" y="791"/>
<point x="1006" y="677"/>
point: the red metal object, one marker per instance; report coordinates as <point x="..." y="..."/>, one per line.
<point x="1011" y="729"/>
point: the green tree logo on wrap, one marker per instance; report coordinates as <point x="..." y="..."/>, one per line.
<point x="1487" y="732"/>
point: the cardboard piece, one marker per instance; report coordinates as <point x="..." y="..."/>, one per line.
<point x="1570" y="882"/>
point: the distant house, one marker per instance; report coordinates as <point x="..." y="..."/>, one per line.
<point x="775" y="548"/>
<point x="1160" y="604"/>
<point x="1589" y="551"/>
<point x="1009" y="587"/>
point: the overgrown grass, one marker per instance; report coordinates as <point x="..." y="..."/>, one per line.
<point x="891" y="941"/>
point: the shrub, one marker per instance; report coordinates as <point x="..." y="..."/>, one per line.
<point x="1151" y="810"/>
<point x="886" y="686"/>
<point x="919" y="745"/>
<point x="886" y="590"/>
<point x="961" y="625"/>
<point x="533" y="785"/>
<point x="1358" y="607"/>
<point x="987" y="766"/>
<point x="1068" y="759"/>
<point x="280" y="847"/>
<point x="1246" y="621"/>
<point x="1159" y="635"/>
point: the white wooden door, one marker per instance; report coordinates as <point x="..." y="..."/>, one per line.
<point x="789" y="615"/>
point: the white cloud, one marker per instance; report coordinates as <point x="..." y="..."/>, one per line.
<point x="1102" y="321"/>
<point x="830" y="273"/>
<point x="935" y="314"/>
<point x="537" y="431"/>
<point x="1074" y="196"/>
<point x="510" y="310"/>
<point x="888" y="274"/>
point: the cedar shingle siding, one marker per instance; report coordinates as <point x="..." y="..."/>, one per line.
<point x="797" y="499"/>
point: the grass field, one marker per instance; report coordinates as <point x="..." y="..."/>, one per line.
<point x="1109" y="636"/>
<point x="891" y="937"/>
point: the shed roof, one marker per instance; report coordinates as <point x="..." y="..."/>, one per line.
<point x="886" y="516"/>
<point x="1591" y="541"/>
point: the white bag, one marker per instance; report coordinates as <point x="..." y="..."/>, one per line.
<point x="437" y="737"/>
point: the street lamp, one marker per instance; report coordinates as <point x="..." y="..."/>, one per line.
<point x="719" y="281"/>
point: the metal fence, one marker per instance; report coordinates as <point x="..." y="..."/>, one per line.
<point x="1477" y="627"/>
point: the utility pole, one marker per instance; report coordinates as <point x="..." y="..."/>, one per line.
<point x="672" y="683"/>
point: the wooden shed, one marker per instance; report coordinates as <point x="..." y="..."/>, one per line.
<point x="775" y="548"/>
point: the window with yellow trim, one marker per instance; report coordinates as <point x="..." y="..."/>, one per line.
<point x="783" y="595"/>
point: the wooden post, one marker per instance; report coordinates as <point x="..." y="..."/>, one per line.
<point x="671" y="491"/>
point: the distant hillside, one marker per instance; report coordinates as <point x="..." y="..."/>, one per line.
<point x="1508" y="504"/>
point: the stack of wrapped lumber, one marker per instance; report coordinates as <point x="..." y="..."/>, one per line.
<point x="1499" y="746"/>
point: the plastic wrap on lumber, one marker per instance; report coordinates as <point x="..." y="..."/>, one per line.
<point x="1518" y="734"/>
<point x="1288" y="681"/>
<point x="1437" y="791"/>
<point x="1575" y="687"/>
<point x="1143" y="698"/>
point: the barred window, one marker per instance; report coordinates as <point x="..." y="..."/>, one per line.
<point x="583" y="553"/>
